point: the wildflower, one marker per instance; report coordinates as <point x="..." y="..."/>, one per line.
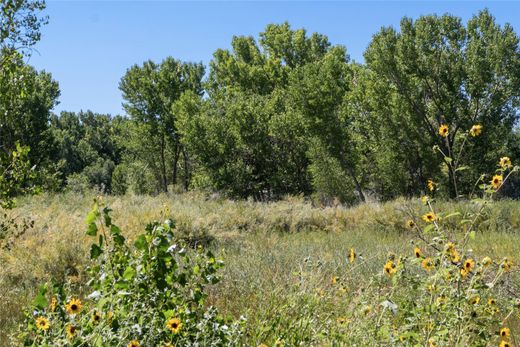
<point x="496" y="182"/>
<point x="96" y="317"/>
<point x="429" y="217"/>
<point x="341" y="320"/>
<point x="334" y="280"/>
<point x="443" y="130"/>
<point x="262" y="345"/>
<point x="441" y="300"/>
<point x="418" y="253"/>
<point x="54" y="302"/>
<point x="427" y="264"/>
<point x="504" y="343"/>
<point x="74" y="306"/>
<point x="474" y="300"/>
<point x="352" y="255"/>
<point x="410" y="224"/>
<point x="430" y="185"/>
<point x="505" y="162"/>
<point x="390" y="268"/>
<point x="505" y="333"/>
<point x="71" y="331"/>
<point x="343" y="290"/>
<point x="425" y="199"/>
<point x="431" y="342"/>
<point x="133" y="343"/>
<point x="174" y="324"/>
<point x="487" y="261"/>
<point x="110" y="316"/>
<point x="491" y="301"/>
<point x="475" y="130"/>
<point x="469" y="264"/>
<point x="367" y="309"/>
<point x="507" y="264"/>
<point x="42" y="323"/>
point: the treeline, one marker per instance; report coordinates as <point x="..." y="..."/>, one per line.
<point x="289" y="113"/>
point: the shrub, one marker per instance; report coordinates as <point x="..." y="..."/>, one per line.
<point x="150" y="294"/>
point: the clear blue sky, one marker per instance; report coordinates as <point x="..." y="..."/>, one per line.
<point x="87" y="46"/>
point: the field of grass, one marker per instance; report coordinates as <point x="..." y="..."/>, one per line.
<point x="279" y="257"/>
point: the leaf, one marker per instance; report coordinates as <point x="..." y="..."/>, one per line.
<point x="462" y="168"/>
<point x="92" y="229"/>
<point x="140" y="243"/>
<point x="115" y="229"/>
<point x="40" y="301"/>
<point x="448" y="160"/>
<point x="472" y="235"/>
<point x="451" y="215"/>
<point x="428" y="228"/>
<point x="92" y="215"/>
<point x="95" y="251"/>
<point x="129" y="273"/>
<point x="118" y="239"/>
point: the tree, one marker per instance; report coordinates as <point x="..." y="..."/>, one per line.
<point x="437" y="71"/>
<point x="149" y="92"/>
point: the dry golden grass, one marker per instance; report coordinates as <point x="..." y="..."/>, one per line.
<point x="267" y="247"/>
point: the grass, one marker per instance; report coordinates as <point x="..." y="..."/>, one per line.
<point x="280" y="257"/>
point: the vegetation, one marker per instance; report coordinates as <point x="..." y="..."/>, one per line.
<point x="433" y="114"/>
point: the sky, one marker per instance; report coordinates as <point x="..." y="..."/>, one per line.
<point x="88" y="45"/>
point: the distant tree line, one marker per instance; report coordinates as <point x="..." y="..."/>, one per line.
<point x="287" y="113"/>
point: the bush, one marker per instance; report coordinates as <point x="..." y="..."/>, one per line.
<point x="150" y="294"/>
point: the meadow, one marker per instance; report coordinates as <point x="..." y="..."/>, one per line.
<point x="287" y="268"/>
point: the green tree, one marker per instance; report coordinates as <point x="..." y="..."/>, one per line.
<point x="149" y="92"/>
<point x="437" y="71"/>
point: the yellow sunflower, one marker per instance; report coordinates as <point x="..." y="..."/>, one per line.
<point x="390" y="268"/>
<point x="341" y="320"/>
<point x="174" y="324"/>
<point x="504" y="343"/>
<point x="418" y="253"/>
<point x="95" y="317"/>
<point x="491" y="301"/>
<point x="505" y="162"/>
<point x="71" y="331"/>
<point x="133" y="343"/>
<point x="496" y="182"/>
<point x="505" y="333"/>
<point x="431" y="187"/>
<point x="474" y="300"/>
<point x="74" y="306"/>
<point x="425" y="199"/>
<point x="487" y="261"/>
<point x="410" y="224"/>
<point x="431" y="343"/>
<point x="469" y="264"/>
<point x="334" y="280"/>
<point x="352" y="255"/>
<point x="427" y="264"/>
<point x="42" y="323"/>
<point x="428" y="217"/>
<point x="443" y="130"/>
<point x="507" y="264"/>
<point x="475" y="130"/>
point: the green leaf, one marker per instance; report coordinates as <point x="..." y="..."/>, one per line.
<point x="118" y="239"/>
<point x="95" y="251"/>
<point x="472" y="235"/>
<point x="140" y="243"/>
<point x="92" y="215"/>
<point x="451" y="215"/>
<point x="448" y="160"/>
<point x="428" y="228"/>
<point x="40" y="301"/>
<point x="462" y="168"/>
<point x="129" y="273"/>
<point x="92" y="229"/>
<point x="114" y="229"/>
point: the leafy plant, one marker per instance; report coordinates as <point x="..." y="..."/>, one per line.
<point x="151" y="293"/>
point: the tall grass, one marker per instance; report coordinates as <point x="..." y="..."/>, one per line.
<point x="280" y="257"/>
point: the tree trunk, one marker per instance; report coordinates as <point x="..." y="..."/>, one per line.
<point x="163" y="165"/>
<point x="352" y="175"/>
<point x="176" y="163"/>
<point x="186" y="169"/>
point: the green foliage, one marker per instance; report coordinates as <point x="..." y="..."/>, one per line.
<point x="437" y="71"/>
<point x="153" y="292"/>
<point x="149" y="92"/>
